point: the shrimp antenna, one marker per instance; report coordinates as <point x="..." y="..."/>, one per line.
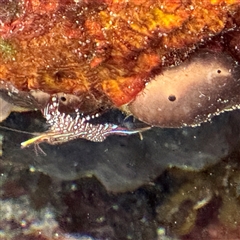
<point x="19" y="131"/>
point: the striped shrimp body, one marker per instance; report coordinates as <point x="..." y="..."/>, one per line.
<point x="64" y="127"/>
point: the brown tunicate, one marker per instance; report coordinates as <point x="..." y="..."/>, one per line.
<point x="14" y="100"/>
<point x="193" y="92"/>
<point x="67" y="102"/>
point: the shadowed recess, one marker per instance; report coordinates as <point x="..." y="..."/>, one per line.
<point x="125" y="163"/>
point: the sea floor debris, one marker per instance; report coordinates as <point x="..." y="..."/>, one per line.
<point x="179" y="205"/>
<point x="175" y="200"/>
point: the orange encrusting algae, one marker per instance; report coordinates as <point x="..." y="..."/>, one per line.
<point x="107" y="49"/>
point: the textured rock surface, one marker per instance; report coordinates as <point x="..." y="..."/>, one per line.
<point x="108" y="50"/>
<point x="181" y="204"/>
<point x="121" y="188"/>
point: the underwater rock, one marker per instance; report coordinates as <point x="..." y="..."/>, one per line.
<point x="205" y="85"/>
<point x="179" y="210"/>
<point x="13" y="100"/>
<point x="20" y="221"/>
<point x="125" y="163"/>
<point x="6" y="108"/>
<point x="103" y="52"/>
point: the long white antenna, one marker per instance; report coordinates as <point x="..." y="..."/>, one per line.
<point x="20" y="131"/>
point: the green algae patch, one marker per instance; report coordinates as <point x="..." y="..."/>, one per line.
<point x="7" y="49"/>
